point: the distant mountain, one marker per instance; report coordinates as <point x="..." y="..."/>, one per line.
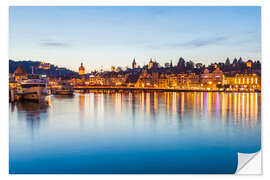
<point x="48" y="69"/>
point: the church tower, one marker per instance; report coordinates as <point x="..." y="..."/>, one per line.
<point x="134" y="65"/>
<point x="81" y="69"/>
<point x="150" y="65"/>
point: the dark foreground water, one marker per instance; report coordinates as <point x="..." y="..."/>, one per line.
<point x="134" y="133"/>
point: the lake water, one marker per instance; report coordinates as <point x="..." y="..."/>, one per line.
<point x="185" y="132"/>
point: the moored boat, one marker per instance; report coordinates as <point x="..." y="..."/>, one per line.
<point x="33" y="88"/>
<point x="64" y="89"/>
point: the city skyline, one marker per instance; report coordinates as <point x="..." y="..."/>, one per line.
<point x="113" y="36"/>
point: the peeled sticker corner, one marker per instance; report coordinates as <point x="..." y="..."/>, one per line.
<point x="249" y="164"/>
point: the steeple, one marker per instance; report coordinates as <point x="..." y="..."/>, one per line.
<point x="150" y="65"/>
<point x="134" y="65"/>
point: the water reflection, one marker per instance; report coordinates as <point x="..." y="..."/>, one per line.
<point x="32" y="112"/>
<point x="92" y="129"/>
<point x="243" y="108"/>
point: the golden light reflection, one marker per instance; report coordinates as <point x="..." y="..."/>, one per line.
<point x="209" y="101"/>
<point x="142" y="101"/>
<point x="242" y="109"/>
<point x="148" y="107"/>
<point x="82" y="102"/>
<point x="235" y="108"/>
<point x="238" y="109"/>
<point x="49" y="100"/>
<point x="182" y="105"/>
<point x="247" y="108"/>
<point x="174" y="103"/>
<point x="118" y="104"/>
<point x="223" y="107"/>
<point x="168" y="102"/>
<point x="155" y="102"/>
<point x="256" y="107"/>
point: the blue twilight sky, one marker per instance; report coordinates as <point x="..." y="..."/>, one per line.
<point x="105" y="36"/>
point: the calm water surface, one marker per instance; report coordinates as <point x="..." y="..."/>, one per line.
<point x="135" y="133"/>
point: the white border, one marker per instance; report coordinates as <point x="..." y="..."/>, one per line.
<point x="4" y="79"/>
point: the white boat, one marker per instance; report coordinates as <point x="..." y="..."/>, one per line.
<point x="34" y="88"/>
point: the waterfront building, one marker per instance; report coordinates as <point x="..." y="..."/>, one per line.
<point x="212" y="80"/>
<point x="81" y="70"/>
<point x="242" y="82"/>
<point x="20" y="73"/>
<point x="162" y="81"/>
<point x="97" y="80"/>
<point x="171" y="81"/>
<point x="188" y="81"/>
<point x="131" y="80"/>
<point x="148" y="79"/>
<point x="13" y="84"/>
<point x="247" y="82"/>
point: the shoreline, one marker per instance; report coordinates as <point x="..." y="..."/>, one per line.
<point x="154" y="90"/>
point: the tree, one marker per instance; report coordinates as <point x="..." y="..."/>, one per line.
<point x="189" y="65"/>
<point x="181" y="64"/>
<point x="199" y="65"/>
<point x="227" y="63"/>
<point x="119" y="69"/>
<point x="167" y="65"/>
<point x="234" y="61"/>
<point x="171" y="65"/>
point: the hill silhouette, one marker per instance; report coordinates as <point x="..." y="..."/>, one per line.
<point x="53" y="71"/>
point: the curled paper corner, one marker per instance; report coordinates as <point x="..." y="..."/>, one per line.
<point x="249" y="164"/>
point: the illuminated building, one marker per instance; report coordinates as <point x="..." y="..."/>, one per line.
<point x="96" y="80"/>
<point x="213" y="79"/>
<point x="131" y="80"/>
<point x="150" y="65"/>
<point x="155" y="76"/>
<point x="145" y="80"/>
<point x="81" y="70"/>
<point x="188" y="81"/>
<point x="20" y="73"/>
<point x="13" y="84"/>
<point x="44" y="65"/>
<point x="247" y="82"/>
<point x="162" y="81"/>
<point x="249" y="64"/>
